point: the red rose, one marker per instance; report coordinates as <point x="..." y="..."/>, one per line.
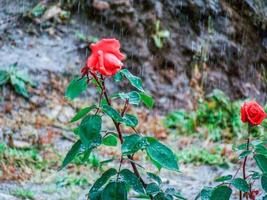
<point x="105" y="58"/>
<point x="252" y="112"/>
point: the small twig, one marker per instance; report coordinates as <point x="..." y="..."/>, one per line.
<point x="119" y="171"/>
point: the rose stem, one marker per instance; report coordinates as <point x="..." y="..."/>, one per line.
<point x="245" y="160"/>
<point x="117" y="125"/>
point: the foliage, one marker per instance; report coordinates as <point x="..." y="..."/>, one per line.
<point x="23" y="193"/>
<point x="115" y="183"/>
<point x="21" y="157"/>
<point x="198" y="155"/>
<point x="160" y="35"/>
<point x="245" y="184"/>
<point x="217" y="114"/>
<point x="17" y="78"/>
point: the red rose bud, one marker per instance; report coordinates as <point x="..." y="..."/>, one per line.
<point x="252" y="113"/>
<point x="105" y="58"/>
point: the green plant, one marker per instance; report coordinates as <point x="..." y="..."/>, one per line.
<point x="115" y="183"/>
<point x="217" y="114"/>
<point x="160" y="35"/>
<point x="21" y="157"/>
<point x="252" y="114"/>
<point x="198" y="155"/>
<point x="23" y="193"/>
<point x="17" y="78"/>
<point x="85" y="38"/>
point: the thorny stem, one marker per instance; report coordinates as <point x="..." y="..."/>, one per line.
<point x="119" y="168"/>
<point x="245" y="162"/>
<point x="117" y="126"/>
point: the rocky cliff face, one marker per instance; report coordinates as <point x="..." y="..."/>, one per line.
<point x="212" y="44"/>
<point x="198" y="45"/>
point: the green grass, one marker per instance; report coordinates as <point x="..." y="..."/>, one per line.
<point x="21" y="157"/>
<point x="199" y="155"/>
<point x="23" y="193"/>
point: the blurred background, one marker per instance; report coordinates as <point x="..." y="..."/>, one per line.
<point x="200" y="59"/>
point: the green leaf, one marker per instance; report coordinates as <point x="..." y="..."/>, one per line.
<point x="130" y="120"/>
<point x="162" y="196"/>
<point x="205" y="193"/>
<point x="19" y="86"/>
<point x="133" y="143"/>
<point x="4" y="77"/>
<point x="162" y="155"/>
<point x="75" y="149"/>
<point x="164" y="34"/>
<point x="147" y="100"/>
<point x="242" y="146"/>
<point x="173" y="192"/>
<point x="255" y="175"/>
<point x="158" y="41"/>
<point x="134" y="80"/>
<point x="81" y="113"/>
<point x="152" y="188"/>
<point x="97" y="188"/>
<point x="240" y="184"/>
<point x="110" y="140"/>
<point x="38" y="10"/>
<point x="264" y="198"/>
<point x="154" y="177"/>
<point x="23" y="76"/>
<point x="118" y="77"/>
<point x="89" y="131"/>
<point x="221" y="193"/>
<point x="261" y="161"/>
<point x="76" y="87"/>
<point x="261" y="149"/>
<point x="111" y="112"/>
<point x="264" y="182"/>
<point x="133" y="97"/>
<point x="131" y="179"/>
<point x="244" y="154"/>
<point x="223" y="178"/>
<point x="115" y="191"/>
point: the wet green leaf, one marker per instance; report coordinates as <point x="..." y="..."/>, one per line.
<point x="154" y="177"/>
<point x="131" y="179"/>
<point x="133" y="143"/>
<point x="134" y="80"/>
<point x="76" y="87"/>
<point x="115" y="191"/>
<point x="147" y="100"/>
<point x="264" y="182"/>
<point x="96" y="189"/>
<point x="130" y="120"/>
<point x="75" y="149"/>
<point x="162" y="155"/>
<point x="240" y="184"/>
<point x="89" y="131"/>
<point x="111" y="112"/>
<point x="152" y="188"/>
<point x="224" y="178"/>
<point x="81" y="113"/>
<point x="110" y="140"/>
<point x="19" y="86"/>
<point x="244" y="154"/>
<point x="261" y="161"/>
<point x="205" y="193"/>
<point x="4" y="77"/>
<point x="221" y="193"/>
